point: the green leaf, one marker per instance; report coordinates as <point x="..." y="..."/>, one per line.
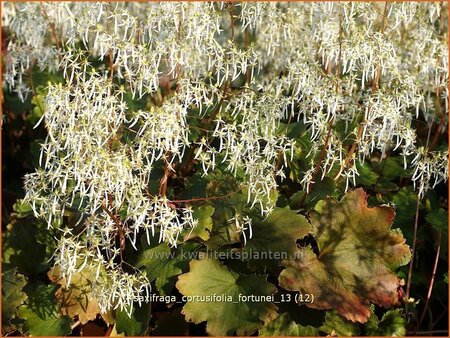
<point x="295" y="129"/>
<point x="114" y="332"/>
<point x="335" y="324"/>
<point x="137" y="324"/>
<point x="163" y="264"/>
<point x="29" y="256"/>
<point x="14" y="104"/>
<point x="215" y="298"/>
<point x="223" y="232"/>
<point x="38" y="325"/>
<point x="275" y="237"/>
<point x="366" y="174"/>
<point x="41" y="313"/>
<point x="22" y="209"/>
<point x="41" y="79"/>
<point x="160" y="264"/>
<point x="391" y="168"/>
<point x="438" y="219"/>
<point x="405" y="201"/>
<point x="7" y="251"/>
<point x="319" y="190"/>
<point x="12" y="294"/>
<point x="285" y="327"/>
<point x="38" y="101"/>
<point x="204" y="226"/>
<point x="392" y="324"/>
<point x="135" y="104"/>
<point x="299" y="312"/>
<point x="385" y="186"/>
<point x="357" y="251"/>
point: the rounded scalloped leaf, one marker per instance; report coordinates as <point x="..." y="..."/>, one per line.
<point x="12" y="294"/>
<point x="392" y="324"/>
<point x="357" y="252"/>
<point x="223" y="311"/>
<point x="276" y="235"/>
<point x="41" y="313"/>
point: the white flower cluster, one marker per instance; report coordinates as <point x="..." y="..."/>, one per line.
<point x="242" y="224"/>
<point x="86" y="167"/>
<point x="253" y="145"/>
<point x="359" y="76"/>
<point x="162" y="130"/>
<point x="112" y="288"/>
<point x="378" y="64"/>
<point x="28" y="47"/>
<point x="431" y="169"/>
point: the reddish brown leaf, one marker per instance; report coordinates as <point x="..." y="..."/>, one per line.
<point x="357" y="253"/>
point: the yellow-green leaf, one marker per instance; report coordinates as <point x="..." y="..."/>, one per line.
<point x="204" y="226"/>
<point x="12" y="294"/>
<point x="214" y="293"/>
<point x="77" y="299"/>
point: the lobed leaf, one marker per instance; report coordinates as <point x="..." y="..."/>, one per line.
<point x="285" y="327"/>
<point x="277" y="235"/>
<point x="208" y="278"/>
<point x="392" y="324"/>
<point x="12" y="294"/>
<point x="357" y="253"/>
<point x="41" y="314"/>
<point x="334" y="323"/>
<point x="162" y="264"/>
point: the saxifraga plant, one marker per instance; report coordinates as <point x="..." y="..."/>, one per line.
<point x="221" y="84"/>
